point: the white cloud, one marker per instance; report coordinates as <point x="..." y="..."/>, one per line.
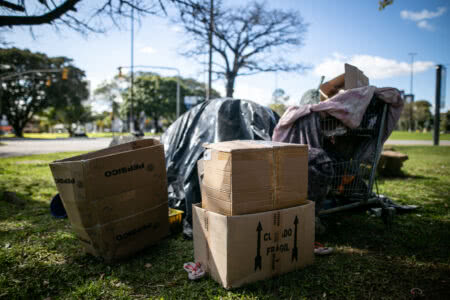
<point x="147" y="50"/>
<point x="421" y="17"/>
<point x="425" y="25"/>
<point x="374" y="67"/>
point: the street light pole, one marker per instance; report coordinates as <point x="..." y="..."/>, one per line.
<point x="210" y="38"/>
<point x="437" y="104"/>
<point x="132" y="72"/>
<point x="412" y="71"/>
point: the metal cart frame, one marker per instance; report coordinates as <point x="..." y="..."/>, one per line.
<point x="358" y="197"/>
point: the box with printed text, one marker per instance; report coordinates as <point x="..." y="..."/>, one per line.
<point x="115" y="198"/>
<point x="236" y="250"/>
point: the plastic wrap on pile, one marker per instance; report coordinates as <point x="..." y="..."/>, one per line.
<point x="212" y="121"/>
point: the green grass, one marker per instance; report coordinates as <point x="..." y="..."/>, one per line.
<point x="40" y="257"/>
<point x="47" y="135"/>
<point x="427" y="136"/>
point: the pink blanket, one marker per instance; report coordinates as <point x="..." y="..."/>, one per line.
<point x="349" y="107"/>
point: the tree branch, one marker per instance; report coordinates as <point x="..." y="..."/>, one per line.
<point x="12" y="6"/>
<point x="46" y="18"/>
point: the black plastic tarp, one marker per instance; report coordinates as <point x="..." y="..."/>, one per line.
<point x="209" y="122"/>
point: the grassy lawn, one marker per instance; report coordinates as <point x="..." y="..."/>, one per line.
<point x="66" y="135"/>
<point x="40" y="257"/>
<point x="428" y="136"/>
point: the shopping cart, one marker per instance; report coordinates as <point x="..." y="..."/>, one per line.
<point x="356" y="153"/>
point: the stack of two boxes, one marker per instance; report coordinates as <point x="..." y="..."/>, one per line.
<point x="255" y="221"/>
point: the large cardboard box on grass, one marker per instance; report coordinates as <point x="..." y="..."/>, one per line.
<point x="236" y="250"/>
<point x="242" y="177"/>
<point x="116" y="198"/>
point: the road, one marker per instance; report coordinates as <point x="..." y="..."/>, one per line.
<point x="20" y="147"/>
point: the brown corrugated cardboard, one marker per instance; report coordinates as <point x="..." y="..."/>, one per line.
<point x="351" y="79"/>
<point x="115" y="198"/>
<point x="241" y="177"/>
<point x="236" y="250"/>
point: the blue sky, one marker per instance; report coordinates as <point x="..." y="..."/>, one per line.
<point x="378" y="42"/>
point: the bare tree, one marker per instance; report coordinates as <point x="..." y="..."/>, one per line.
<point x="81" y="15"/>
<point x="244" y="38"/>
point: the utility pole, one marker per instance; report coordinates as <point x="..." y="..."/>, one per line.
<point x="210" y="38"/>
<point x="437" y="105"/>
<point x="132" y="71"/>
<point x="411" y="117"/>
<point x="412" y="71"/>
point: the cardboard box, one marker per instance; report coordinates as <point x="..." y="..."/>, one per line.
<point x="351" y="79"/>
<point x="236" y="250"/>
<point x="242" y="177"/>
<point x="116" y="198"/>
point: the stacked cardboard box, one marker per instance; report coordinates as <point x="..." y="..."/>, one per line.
<point x="255" y="221"/>
<point x="243" y="177"/>
<point x="115" y="198"/>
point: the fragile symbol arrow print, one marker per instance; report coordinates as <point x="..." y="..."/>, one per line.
<point x="258" y="248"/>
<point x="294" y="249"/>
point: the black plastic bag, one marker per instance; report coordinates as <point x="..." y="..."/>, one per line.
<point x="213" y="121"/>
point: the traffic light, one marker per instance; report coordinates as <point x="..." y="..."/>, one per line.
<point x="65" y="73"/>
<point x="49" y="81"/>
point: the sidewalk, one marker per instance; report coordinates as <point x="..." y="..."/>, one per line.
<point x="21" y="147"/>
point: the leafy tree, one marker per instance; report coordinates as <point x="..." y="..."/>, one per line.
<point x="384" y="3"/>
<point x="279" y="108"/>
<point x="244" y="38"/>
<point x="445" y="122"/>
<point x="111" y="93"/>
<point x="422" y="114"/>
<point x="31" y="90"/>
<point x="146" y="86"/>
<point x="279" y="96"/>
<point x="74" y="114"/>
<point x="419" y="112"/>
<point x="197" y="88"/>
<point x="156" y="96"/>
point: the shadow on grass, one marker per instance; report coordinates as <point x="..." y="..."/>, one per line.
<point x="412" y="234"/>
<point x="10" y="210"/>
<point x="348" y="274"/>
<point x="402" y="175"/>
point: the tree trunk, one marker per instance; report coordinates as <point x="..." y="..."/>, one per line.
<point x="230" y="85"/>
<point x="155" y="123"/>
<point x="18" y="130"/>
<point x="70" y="131"/>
